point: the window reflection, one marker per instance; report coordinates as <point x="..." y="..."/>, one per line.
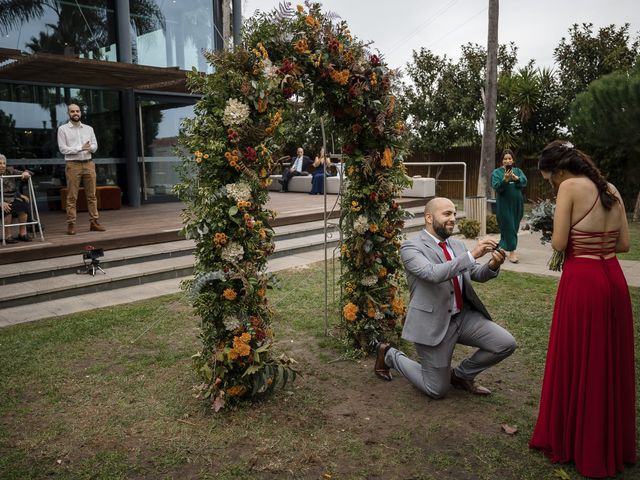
<point x="161" y="123"/>
<point x="29" y="119"/>
<point x="84" y="28"/>
<point x="172" y="33"/>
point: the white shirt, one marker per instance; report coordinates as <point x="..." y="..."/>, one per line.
<point x="454" y="307"/>
<point x="297" y="165"/>
<point x="72" y="137"/>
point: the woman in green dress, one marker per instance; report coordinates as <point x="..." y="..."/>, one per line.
<point x="508" y="181"/>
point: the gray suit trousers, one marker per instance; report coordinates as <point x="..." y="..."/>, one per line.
<point x="469" y="327"/>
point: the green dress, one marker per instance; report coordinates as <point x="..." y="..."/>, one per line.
<point x="509" y="206"/>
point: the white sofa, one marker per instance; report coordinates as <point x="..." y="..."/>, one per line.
<point x="422" y="187"/>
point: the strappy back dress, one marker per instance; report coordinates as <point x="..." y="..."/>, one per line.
<point x="587" y="405"/>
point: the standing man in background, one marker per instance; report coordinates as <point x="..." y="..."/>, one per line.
<point x="77" y="142"/>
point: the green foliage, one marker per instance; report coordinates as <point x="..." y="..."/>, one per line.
<point x="604" y="121"/>
<point x="444" y="100"/>
<point x="492" y="224"/>
<point x="469" y="228"/>
<point x="586" y="56"/>
<point x="247" y="109"/>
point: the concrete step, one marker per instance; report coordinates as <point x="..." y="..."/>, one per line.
<point x="47" y="280"/>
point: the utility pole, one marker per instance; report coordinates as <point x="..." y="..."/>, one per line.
<point x="488" y="152"/>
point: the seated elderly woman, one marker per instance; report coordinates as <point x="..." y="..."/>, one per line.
<point x="14" y="205"/>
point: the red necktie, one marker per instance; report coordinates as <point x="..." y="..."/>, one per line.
<point x="456" y="283"/>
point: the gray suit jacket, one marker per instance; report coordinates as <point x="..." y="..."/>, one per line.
<point x="429" y="275"/>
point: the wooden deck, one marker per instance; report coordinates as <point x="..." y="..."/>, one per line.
<point x="152" y="223"/>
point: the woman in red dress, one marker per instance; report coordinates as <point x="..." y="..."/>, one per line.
<point x="587" y="405"/>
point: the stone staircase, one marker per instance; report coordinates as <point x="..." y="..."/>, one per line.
<point x="45" y="288"/>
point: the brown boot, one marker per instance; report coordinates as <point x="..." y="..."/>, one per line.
<point x="71" y="228"/>
<point x="94" y="226"/>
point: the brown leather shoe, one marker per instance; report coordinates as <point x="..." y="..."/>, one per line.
<point x="94" y="226"/>
<point x="468" y="385"/>
<point x="71" y="229"/>
<point x="380" y="368"/>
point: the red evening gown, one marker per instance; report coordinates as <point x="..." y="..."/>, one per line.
<point x="587" y="405"/>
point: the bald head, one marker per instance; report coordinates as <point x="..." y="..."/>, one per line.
<point x="440" y="217"/>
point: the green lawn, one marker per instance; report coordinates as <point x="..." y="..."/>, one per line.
<point x="107" y="394"/>
<point x="634" y="252"/>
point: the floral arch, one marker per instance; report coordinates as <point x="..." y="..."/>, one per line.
<point x="236" y="130"/>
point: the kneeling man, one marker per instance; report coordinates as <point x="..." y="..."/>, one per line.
<point x="445" y="310"/>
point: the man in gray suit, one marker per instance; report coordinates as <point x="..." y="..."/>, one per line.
<point x="445" y="310"/>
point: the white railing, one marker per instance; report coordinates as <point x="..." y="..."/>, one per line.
<point x="32" y="205"/>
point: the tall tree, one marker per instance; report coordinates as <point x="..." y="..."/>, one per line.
<point x="586" y="56"/>
<point x="488" y="154"/>
<point x="605" y="121"/>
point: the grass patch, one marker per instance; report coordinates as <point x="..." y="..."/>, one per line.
<point x="107" y="394"/>
<point x="634" y="251"/>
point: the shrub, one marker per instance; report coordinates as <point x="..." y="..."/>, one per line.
<point x="469" y="228"/>
<point x="492" y="224"/>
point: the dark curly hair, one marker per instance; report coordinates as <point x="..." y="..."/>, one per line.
<point x="562" y="155"/>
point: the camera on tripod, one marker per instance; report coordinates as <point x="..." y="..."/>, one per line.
<point x="90" y="258"/>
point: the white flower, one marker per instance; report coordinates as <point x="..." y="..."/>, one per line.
<point x="240" y="191"/>
<point x="369" y="281"/>
<point x="361" y="224"/>
<point x="270" y="71"/>
<point x="235" y="113"/>
<point x="567" y="145"/>
<point x="379" y="315"/>
<point x="230" y="322"/>
<point x="232" y="252"/>
<point x="384" y="210"/>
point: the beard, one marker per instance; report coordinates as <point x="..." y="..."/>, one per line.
<point x="441" y="230"/>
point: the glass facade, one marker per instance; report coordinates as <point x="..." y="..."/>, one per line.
<point x="29" y="118"/>
<point x="84" y="28"/>
<point x="172" y="33"/>
<point x="163" y="33"/>
<point x="159" y="129"/>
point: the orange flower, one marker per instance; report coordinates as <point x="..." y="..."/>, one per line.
<point x="236" y="391"/>
<point x="387" y="158"/>
<point x="220" y="239"/>
<point x="232" y="355"/>
<point x="397" y="304"/>
<point x="373" y="228"/>
<point x="312" y="22"/>
<point x="374" y="79"/>
<point x="382" y="272"/>
<point x="356" y="128"/>
<point x="262" y="292"/>
<point x="262" y="105"/>
<point x="349" y="312"/>
<point x="341" y="77"/>
<point x="350" y="171"/>
<point x="301" y="46"/>
<point x="229" y="294"/>
<point x="392" y="104"/>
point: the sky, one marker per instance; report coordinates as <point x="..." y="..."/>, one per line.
<point x="398" y="27"/>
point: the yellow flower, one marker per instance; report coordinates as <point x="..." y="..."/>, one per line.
<point x="350" y="171"/>
<point x="374" y="79"/>
<point x="387" y="158"/>
<point x="300" y="8"/>
<point x="349" y="312"/>
<point x="220" y="239"/>
<point x="229" y="294"/>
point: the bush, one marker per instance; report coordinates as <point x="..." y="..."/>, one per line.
<point x="492" y="224"/>
<point x="469" y="228"/>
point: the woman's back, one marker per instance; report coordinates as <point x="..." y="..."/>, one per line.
<point x="594" y="229"/>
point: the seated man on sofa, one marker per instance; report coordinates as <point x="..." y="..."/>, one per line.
<point x="299" y="165"/>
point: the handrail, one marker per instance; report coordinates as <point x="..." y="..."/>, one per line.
<point x="464" y="173"/>
<point x="34" y="208"/>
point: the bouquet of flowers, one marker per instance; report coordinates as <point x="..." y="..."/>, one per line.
<point x="541" y="220"/>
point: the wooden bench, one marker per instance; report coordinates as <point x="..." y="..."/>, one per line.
<point x="109" y="197"/>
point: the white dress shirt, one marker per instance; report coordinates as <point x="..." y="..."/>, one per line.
<point x="72" y="137"/>
<point x="297" y="165"/>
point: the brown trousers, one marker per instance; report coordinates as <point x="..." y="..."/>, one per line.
<point x="81" y="173"/>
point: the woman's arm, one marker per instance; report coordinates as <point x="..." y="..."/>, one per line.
<point x="562" y="217"/>
<point x="497" y="180"/>
<point x="521" y="178"/>
<point x="624" y="240"/>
